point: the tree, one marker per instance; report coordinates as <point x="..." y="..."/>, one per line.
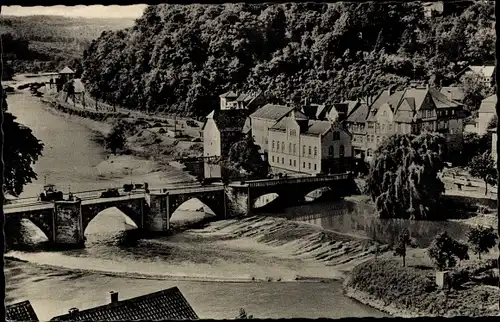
<point x="400" y="247"/>
<point x="245" y="155"/>
<point x="444" y="251"/>
<point x="481" y="239"/>
<point x="403" y="180"/>
<point x="21" y="150"/>
<point x="116" y="138"/>
<point x="482" y="166"/>
<point x="474" y="91"/>
<point x="243" y="315"/>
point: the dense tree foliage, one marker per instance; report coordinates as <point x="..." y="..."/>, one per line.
<point x="403" y="179"/>
<point x="179" y="58"/>
<point x="473" y="145"/>
<point x="21" y="150"/>
<point x="482" y="166"/>
<point x="444" y="251"/>
<point x="245" y="155"/>
<point x="482" y="239"/>
<point x="474" y="91"/>
<point x="47" y="43"/>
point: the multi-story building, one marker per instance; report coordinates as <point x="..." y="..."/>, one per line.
<point x="224" y="127"/>
<point x="486" y="74"/>
<point x="298" y="144"/>
<point x="264" y="118"/>
<point x="409" y="111"/>
<point x="485" y="113"/>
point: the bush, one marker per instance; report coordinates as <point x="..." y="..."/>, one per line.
<point x="444" y="251"/>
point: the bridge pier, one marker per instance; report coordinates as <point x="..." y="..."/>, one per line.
<point x="159" y="217"/>
<point x="68" y="225"/>
<point x="238" y="201"/>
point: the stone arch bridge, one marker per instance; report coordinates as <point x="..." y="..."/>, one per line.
<point x="64" y="222"/>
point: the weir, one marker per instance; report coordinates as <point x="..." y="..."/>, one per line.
<point x="64" y="222"/>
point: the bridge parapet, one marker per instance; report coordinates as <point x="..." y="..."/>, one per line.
<point x="291" y="180"/>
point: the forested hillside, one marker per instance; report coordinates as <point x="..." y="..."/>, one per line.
<point x="180" y="58"/>
<point x="45" y="43"/>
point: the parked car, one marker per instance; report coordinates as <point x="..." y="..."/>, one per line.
<point x="50" y="193"/>
<point x="191" y="123"/>
<point x="110" y="193"/>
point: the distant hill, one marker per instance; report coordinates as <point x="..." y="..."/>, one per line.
<point x="52" y="40"/>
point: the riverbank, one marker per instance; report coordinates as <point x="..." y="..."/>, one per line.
<point x="143" y="140"/>
<point x="411" y="291"/>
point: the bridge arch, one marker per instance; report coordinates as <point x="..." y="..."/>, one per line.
<point x="133" y="209"/>
<point x="192" y="210"/>
<point x="213" y="201"/>
<point x="265" y="200"/>
<point x="110" y="219"/>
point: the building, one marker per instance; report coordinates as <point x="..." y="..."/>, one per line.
<point x="301" y="145"/>
<point x="262" y="120"/>
<point x="22" y="311"/>
<point x="408" y="111"/>
<point x="432" y="9"/>
<point x="486" y="74"/>
<point x="494" y="154"/>
<point x="485" y="113"/>
<point x="336" y="112"/>
<point x="243" y="101"/>
<point x="453" y="93"/>
<point x="222" y="129"/>
<point x="168" y="304"/>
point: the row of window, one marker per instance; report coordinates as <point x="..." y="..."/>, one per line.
<point x="292" y="149"/>
<point x="294" y="163"/>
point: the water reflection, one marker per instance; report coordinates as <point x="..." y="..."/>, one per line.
<point x="351" y="218"/>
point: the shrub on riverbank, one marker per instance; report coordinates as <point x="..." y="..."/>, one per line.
<point x="412" y="289"/>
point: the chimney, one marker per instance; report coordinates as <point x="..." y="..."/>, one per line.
<point x="113" y="296"/>
<point x="73" y="311"/>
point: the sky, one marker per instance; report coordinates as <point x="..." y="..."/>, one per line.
<point x="94" y="11"/>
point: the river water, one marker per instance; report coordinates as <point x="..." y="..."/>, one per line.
<point x="72" y="158"/>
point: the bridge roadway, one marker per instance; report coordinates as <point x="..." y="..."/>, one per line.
<point x="93" y="196"/>
<point x="41" y="205"/>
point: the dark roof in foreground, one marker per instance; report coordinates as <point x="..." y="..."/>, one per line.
<point x="168" y="304"/>
<point x="22" y="311"/>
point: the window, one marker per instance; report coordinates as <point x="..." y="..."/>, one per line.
<point x="309" y="150"/>
<point x="265" y="140"/>
<point x="304" y="165"/>
<point x="390" y="127"/>
<point x="294" y="149"/>
<point x="277" y="146"/>
<point x="272" y="158"/>
<point x="290" y="161"/>
<point x="341" y="151"/>
<point x="315" y="151"/>
<point x="293" y="132"/>
<point x="309" y="165"/>
<point x="383" y="127"/>
<point x="315" y="168"/>
<point x="303" y="150"/>
<point x="282" y="160"/>
<point x="294" y="163"/>
<point x="283" y="147"/>
<point x="330" y="150"/>
<point x="272" y="148"/>
<point x="289" y="147"/>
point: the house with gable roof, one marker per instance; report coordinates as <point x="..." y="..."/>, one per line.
<point x="301" y="145"/>
<point x="224" y="127"/>
<point x="486" y="73"/>
<point x="409" y="111"/>
<point x="169" y="304"/>
<point x="485" y="113"/>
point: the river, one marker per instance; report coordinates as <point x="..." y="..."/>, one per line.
<point x="72" y="159"/>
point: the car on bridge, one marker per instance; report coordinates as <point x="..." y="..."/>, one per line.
<point x="110" y="193"/>
<point x="50" y="193"/>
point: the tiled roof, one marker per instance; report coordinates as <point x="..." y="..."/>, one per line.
<point x="488" y="105"/>
<point x="359" y="114"/>
<point x="486" y="71"/>
<point x="66" y="70"/>
<point x="168" y="304"/>
<point x="22" y="311"/>
<point x="453" y="93"/>
<point x="318" y="127"/>
<point x="247" y="127"/>
<point x="271" y="112"/>
<point x="441" y="100"/>
<point x="229" y="94"/>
